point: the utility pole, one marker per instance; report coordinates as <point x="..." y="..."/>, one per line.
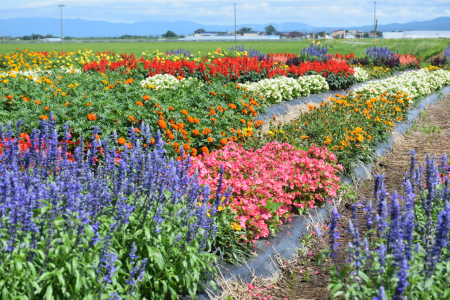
<point x="235" y="23"/>
<point x="61" y="24"/>
<point x="374" y="22"/>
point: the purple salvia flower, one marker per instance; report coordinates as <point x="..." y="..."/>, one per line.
<point x="333" y="232"/>
<point x="402" y="276"/>
<point x="381" y="294"/>
<point x="441" y="240"/>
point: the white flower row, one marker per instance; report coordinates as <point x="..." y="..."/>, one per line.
<point x="416" y="84"/>
<point x="361" y="74"/>
<point x="167" y="81"/>
<point x="283" y="88"/>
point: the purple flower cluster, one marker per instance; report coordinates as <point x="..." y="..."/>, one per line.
<point x="45" y="196"/>
<point x="382" y="57"/>
<point x="398" y="230"/>
<point x="376" y="53"/>
<point x="180" y="52"/>
<point x="447" y="55"/>
<point x="250" y="53"/>
<point x="314" y="53"/>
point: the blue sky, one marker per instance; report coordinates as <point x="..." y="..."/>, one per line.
<point x="317" y="13"/>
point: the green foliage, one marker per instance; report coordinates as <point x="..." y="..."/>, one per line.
<point x="270" y="29"/>
<point x="339" y="82"/>
<point x="170" y="34"/>
<point x="119" y="107"/>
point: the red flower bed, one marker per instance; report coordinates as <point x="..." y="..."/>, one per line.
<point x="231" y="67"/>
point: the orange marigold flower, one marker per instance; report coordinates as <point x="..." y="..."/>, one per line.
<point x="190" y="119"/>
<point x="213" y="93"/>
<point x="43" y="117"/>
<point x="145" y="97"/>
<point x="210" y="139"/>
<point x="92" y="117"/>
<point x="162" y="124"/>
<point x="9" y="97"/>
<point x="195" y="132"/>
<point x="137" y="130"/>
<point x="121" y="141"/>
<point x="213" y="119"/>
<point x="26" y="99"/>
<point x="140" y="103"/>
<point x="156" y="105"/>
<point x="175" y="145"/>
<point x="129" y="145"/>
<point x="46" y="108"/>
<point x="231" y="105"/>
<point x="179" y="77"/>
<point x="184" y="112"/>
<point x="196" y="121"/>
<point x="180" y="125"/>
<point x="66" y="104"/>
<point x="63" y="94"/>
<point x="174" y="126"/>
<point x="88" y="104"/>
<point x="223" y="141"/>
<point x="194" y="151"/>
<point x="186" y="147"/>
<point x="171" y="136"/>
<point x="205" y="150"/>
<point x="171" y="108"/>
<point x="243" y="121"/>
<point x="37" y="102"/>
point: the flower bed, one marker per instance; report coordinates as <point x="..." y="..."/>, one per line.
<point x="352" y="125"/>
<point x="129" y="227"/>
<point x="416" y="83"/>
<point x="193" y="116"/>
<point x="282" y="88"/>
<point x="404" y="252"/>
<point x="268" y="183"/>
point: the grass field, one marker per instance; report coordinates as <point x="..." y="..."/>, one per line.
<point x="425" y="48"/>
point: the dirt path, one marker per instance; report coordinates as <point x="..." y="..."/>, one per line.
<point x="301" y="278"/>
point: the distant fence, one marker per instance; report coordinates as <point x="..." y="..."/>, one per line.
<point x="153" y="41"/>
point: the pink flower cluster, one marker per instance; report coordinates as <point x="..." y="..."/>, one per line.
<point x="267" y="183"/>
<point x="408" y="59"/>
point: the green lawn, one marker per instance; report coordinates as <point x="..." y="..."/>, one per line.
<point x="425" y="48"/>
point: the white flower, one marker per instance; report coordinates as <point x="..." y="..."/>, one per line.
<point x="283" y="88"/>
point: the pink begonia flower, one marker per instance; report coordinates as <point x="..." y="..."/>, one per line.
<point x="266" y="183"/>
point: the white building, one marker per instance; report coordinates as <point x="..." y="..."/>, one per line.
<point x="416" y="35"/>
<point x="52" y="40"/>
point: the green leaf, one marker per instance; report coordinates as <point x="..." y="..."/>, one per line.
<point x="49" y="294"/>
<point x="5" y="294"/>
<point x="272" y="207"/>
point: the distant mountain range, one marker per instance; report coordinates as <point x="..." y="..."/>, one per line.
<point x="84" y="28"/>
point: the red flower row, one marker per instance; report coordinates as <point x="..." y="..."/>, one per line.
<point x="233" y="68"/>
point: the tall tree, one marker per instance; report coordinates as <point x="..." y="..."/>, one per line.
<point x="244" y="30"/>
<point x="270" y="29"/>
<point x="199" y="30"/>
<point x="169" y="34"/>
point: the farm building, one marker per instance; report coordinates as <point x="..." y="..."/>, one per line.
<point x="416" y="35"/>
<point x="52" y="40"/>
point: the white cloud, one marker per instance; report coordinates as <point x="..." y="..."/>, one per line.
<point x="221" y="12"/>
